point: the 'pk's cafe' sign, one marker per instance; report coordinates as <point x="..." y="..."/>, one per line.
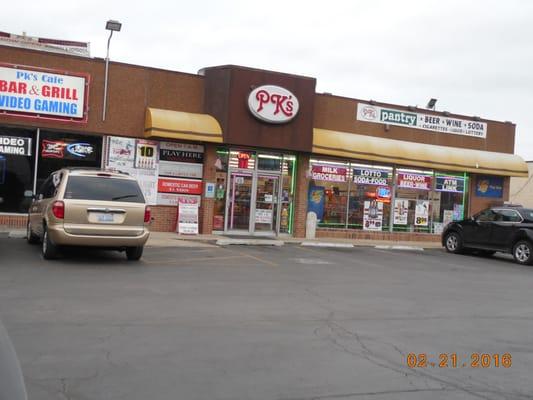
<point x="43" y="93"/>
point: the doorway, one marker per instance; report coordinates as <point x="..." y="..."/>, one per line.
<point x="259" y="193"/>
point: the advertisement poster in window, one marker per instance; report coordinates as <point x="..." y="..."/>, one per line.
<point x="401" y="209"/>
<point x="147" y="154"/>
<point x="188" y="216"/>
<point x="315" y="201"/>
<point x="422" y="213"/>
<point x="458" y="212"/>
<point x="373" y="216"/>
<point x="447" y="217"/>
<point x="120" y="152"/>
<point x="70" y="149"/>
<point x="263" y="216"/>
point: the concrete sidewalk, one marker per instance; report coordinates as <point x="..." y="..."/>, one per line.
<point x="171" y="239"/>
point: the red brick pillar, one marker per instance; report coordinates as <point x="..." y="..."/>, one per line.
<point x="206" y="210"/>
<point x="300" y="201"/>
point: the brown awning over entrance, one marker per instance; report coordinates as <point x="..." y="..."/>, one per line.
<point x="181" y="125"/>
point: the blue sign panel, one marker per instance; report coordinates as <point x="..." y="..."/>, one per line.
<point x="489" y="186"/>
<point x="315" y="201"/>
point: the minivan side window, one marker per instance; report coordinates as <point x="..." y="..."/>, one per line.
<point x="48" y="189"/>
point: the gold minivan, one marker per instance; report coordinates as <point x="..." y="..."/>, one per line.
<point x="89" y="207"/>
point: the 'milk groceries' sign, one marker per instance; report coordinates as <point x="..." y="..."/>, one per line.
<point x="42" y="93"/>
<point x="436" y="123"/>
<point x="273" y="104"/>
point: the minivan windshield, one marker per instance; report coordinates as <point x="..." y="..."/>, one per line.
<point x="103" y="188"/>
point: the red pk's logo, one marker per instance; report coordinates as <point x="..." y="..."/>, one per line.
<point x="273" y="104"/>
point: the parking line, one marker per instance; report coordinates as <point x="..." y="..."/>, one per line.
<point x="176" y="260"/>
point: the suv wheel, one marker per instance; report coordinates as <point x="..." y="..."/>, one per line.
<point x="453" y="243"/>
<point x="49" y="249"/>
<point x="31" y="238"/>
<point x="523" y="252"/>
<point x="134" y="253"/>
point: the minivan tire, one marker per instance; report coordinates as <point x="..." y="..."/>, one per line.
<point x="453" y="243"/>
<point x="31" y="237"/>
<point x="49" y="250"/>
<point x="134" y="253"/>
<point x="523" y="252"/>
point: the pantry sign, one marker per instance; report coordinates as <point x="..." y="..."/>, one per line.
<point x="43" y="94"/>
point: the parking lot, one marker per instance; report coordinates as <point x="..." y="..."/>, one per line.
<point x="285" y="323"/>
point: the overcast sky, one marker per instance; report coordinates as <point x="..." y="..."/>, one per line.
<point x="475" y="57"/>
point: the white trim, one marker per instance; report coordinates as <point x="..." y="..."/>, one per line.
<point x="13" y="214"/>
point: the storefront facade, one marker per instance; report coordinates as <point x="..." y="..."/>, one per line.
<point x="247" y="151"/>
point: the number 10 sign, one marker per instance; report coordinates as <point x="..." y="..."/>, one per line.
<point x="146" y="154"/>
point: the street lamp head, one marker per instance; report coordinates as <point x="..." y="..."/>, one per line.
<point x="113" y="25"/>
<point x="431" y="104"/>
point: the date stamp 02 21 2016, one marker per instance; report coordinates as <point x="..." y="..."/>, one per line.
<point x="454" y="360"/>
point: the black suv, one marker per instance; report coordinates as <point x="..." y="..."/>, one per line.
<point x="508" y="229"/>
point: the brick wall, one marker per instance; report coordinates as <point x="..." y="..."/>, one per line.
<point x="206" y="211"/>
<point x="8" y="221"/>
<point x="300" y="201"/>
<point x="164" y="218"/>
<point x="364" y="235"/>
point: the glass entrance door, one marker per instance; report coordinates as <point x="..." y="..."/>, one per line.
<point x="266" y="203"/>
<point x="239" y="201"/>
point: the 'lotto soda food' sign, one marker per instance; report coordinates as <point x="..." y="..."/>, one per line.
<point x="42" y="93"/>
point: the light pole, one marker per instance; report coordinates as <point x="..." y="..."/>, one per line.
<point x="111" y="26"/>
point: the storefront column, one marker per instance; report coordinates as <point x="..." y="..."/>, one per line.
<point x="209" y="176"/>
<point x="300" y="201"/>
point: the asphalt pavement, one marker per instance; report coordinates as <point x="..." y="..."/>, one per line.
<point x="268" y="322"/>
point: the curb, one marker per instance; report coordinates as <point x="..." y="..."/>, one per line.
<point x="327" y="244"/>
<point x="249" y="242"/>
<point x="405" y="248"/>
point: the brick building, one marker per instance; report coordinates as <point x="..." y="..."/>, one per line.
<point x="256" y="150"/>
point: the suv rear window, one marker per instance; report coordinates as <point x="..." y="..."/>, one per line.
<point x="100" y="188"/>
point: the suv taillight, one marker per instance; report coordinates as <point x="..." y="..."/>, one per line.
<point x="58" y="209"/>
<point x="147" y="214"/>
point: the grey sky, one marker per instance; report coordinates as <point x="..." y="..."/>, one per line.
<point x="475" y="57"/>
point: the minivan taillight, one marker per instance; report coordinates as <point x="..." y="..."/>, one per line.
<point x="147" y="215"/>
<point x="58" y="209"/>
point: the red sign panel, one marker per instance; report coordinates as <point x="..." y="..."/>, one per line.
<point x="414" y="181"/>
<point x="184" y="186"/>
<point x="328" y="173"/>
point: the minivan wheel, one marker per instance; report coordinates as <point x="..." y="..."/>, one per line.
<point x="134" y="253"/>
<point x="453" y="243"/>
<point x="49" y="249"/>
<point x="523" y="252"/>
<point x="31" y="237"/>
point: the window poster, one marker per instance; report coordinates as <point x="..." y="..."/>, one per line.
<point x="373" y="216"/>
<point x="316" y="201"/>
<point x="447" y="217"/>
<point x="401" y="210"/>
<point x="121" y="152"/>
<point x="458" y="212"/>
<point x="188" y="215"/>
<point x="422" y="213"/>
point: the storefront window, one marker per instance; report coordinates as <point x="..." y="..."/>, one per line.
<point x="448" y="199"/>
<point x="328" y="192"/>
<point x="287" y="193"/>
<point x="17" y="160"/>
<point x="370" y="197"/>
<point x="412" y="204"/>
<point x="221" y="165"/>
<point x="59" y="150"/>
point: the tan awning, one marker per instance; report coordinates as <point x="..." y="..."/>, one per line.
<point x="350" y="145"/>
<point x="181" y="125"/>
